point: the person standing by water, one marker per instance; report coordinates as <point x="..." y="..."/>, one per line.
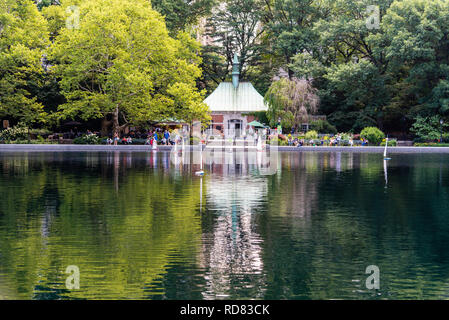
<point x="116" y="138"/>
<point x="149" y="141"/>
<point x="167" y="137"/>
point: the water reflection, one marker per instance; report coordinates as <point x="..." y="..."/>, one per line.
<point x="142" y="225"/>
<point x="232" y="250"/>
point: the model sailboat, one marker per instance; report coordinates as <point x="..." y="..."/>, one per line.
<point x="200" y="172"/>
<point x="385" y="150"/>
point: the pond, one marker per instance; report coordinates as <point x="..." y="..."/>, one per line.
<point x="140" y="226"/>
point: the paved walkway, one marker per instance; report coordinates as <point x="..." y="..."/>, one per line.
<point x="369" y="149"/>
<point x="142" y="148"/>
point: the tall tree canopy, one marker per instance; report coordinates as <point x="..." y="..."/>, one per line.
<point x="122" y="62"/>
<point x="291" y="100"/>
<point x="181" y="15"/>
<point x="23" y="38"/>
<point x="290" y="27"/>
<point x="234" y="27"/>
<point x="348" y="65"/>
<point x="418" y="38"/>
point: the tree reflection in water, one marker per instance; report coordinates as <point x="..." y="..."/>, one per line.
<point x="143" y="226"/>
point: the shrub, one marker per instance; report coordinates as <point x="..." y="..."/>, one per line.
<point x="18" y="132"/>
<point x="311" y="135"/>
<point x="431" y="144"/>
<point x="373" y="135"/>
<point x="28" y="142"/>
<point x="323" y="126"/>
<point x="445" y="137"/>
<point x="87" y="139"/>
<point x="40" y="132"/>
<point x="391" y="143"/>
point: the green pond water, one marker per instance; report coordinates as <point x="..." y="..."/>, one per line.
<point x="139" y="226"/>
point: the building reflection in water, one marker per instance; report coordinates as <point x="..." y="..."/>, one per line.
<point x="233" y="192"/>
<point x="235" y="250"/>
<point x="232" y="251"/>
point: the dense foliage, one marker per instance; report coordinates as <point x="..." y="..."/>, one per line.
<point x="87" y="139"/>
<point x="19" y="132"/>
<point x="373" y="135"/>
<point x="368" y="70"/>
<point x="291" y="100"/>
<point x="23" y="38"/>
<point x="323" y="126"/>
<point x="98" y="59"/>
<point x="385" y="66"/>
<point x="310" y="135"/>
<point x="428" y="128"/>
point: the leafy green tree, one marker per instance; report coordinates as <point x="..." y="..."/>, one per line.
<point x="418" y="35"/>
<point x="323" y="126"/>
<point x="383" y="76"/>
<point x="349" y="65"/>
<point x="291" y="101"/>
<point x="362" y="92"/>
<point x="428" y="128"/>
<point x="56" y="18"/>
<point x="289" y="25"/>
<point x="23" y="38"/>
<point x="122" y="62"/>
<point x="234" y="27"/>
<point x="180" y="15"/>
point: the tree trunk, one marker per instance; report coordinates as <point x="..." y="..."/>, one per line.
<point x="116" y="127"/>
<point x="105" y="125"/>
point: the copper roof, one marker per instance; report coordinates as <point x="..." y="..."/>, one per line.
<point x="244" y="98"/>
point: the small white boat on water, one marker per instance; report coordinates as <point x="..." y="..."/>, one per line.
<point x="201" y="171"/>
<point x="385" y="150"/>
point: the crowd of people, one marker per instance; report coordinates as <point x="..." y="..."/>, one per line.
<point x="336" y="140"/>
<point x="156" y="136"/>
<point x="161" y="136"/>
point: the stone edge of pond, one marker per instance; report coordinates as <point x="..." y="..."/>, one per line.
<point x="141" y="148"/>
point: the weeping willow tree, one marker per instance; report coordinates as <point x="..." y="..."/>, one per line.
<point x="291" y="100"/>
